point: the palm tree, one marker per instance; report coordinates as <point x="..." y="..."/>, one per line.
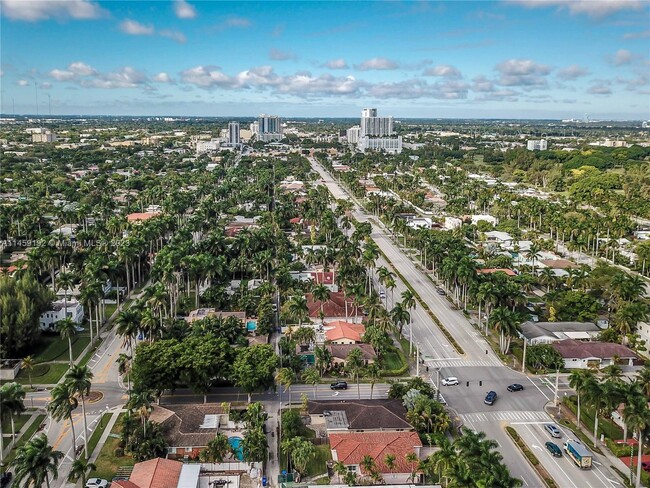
<point x="79" y="379"/>
<point x="67" y="328"/>
<point x="216" y="450"/>
<point x="400" y="316"/>
<point x="373" y="373"/>
<point x="390" y="461"/>
<point x="444" y="459"/>
<point x="65" y="282"/>
<point x="286" y="377"/>
<point x="35" y="461"/>
<point x="340" y="470"/>
<point x="595" y="394"/>
<point x="61" y="406"/>
<point x="298" y="309"/>
<point x="124" y="368"/>
<point x="320" y="293"/>
<point x="323" y="359"/>
<point x="128" y="322"/>
<point x="353" y="364"/>
<point x="578" y="379"/>
<point x="637" y="416"/>
<point x="79" y="470"/>
<point x="369" y="465"/>
<point x="141" y="401"/>
<point x="408" y="301"/>
<point x="506" y="323"/>
<point x="12" y="396"/>
<point x="643" y="377"/>
<point x="311" y="376"/>
<point x="28" y="365"/>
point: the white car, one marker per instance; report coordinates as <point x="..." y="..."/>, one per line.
<point x="451" y="381"/>
<point x="96" y="483"/>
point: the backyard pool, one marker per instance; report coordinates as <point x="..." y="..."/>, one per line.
<point x="235" y="443"/>
<point x="251" y="325"/>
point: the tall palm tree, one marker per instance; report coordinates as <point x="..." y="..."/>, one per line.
<point x="79" y="379"/>
<point x="128" y="322"/>
<point x="595" y="394"/>
<point x="80" y="469"/>
<point x="637" y="416"/>
<point x="643" y="377"/>
<point x="61" y="406"/>
<point x="578" y="379"/>
<point x="321" y="294"/>
<point x="506" y="323"/>
<point x="297" y="308"/>
<point x="35" y="461"/>
<point x="28" y="365"/>
<point x="286" y="377"/>
<point x="67" y="328"/>
<point x="400" y="316"/>
<point x="409" y="302"/>
<point x="323" y="359"/>
<point x="373" y="373"/>
<point x="353" y="364"/>
<point x="311" y="376"/>
<point x="12" y="397"/>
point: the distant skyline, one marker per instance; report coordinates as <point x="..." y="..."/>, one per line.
<point x="545" y="59"/>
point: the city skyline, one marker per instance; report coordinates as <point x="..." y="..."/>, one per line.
<point x="505" y="59"/>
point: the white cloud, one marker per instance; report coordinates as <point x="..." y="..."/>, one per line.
<point x="184" y="10"/>
<point x="34" y="10"/>
<point x="126" y="77"/>
<point x="376" y="63"/>
<point x="336" y="64"/>
<point x="572" y="72"/>
<point x="600" y="89"/>
<point x="73" y="71"/>
<point x="23" y="83"/>
<point x="637" y="35"/>
<point x="135" y="28"/>
<point x="415" y="88"/>
<point x="592" y="8"/>
<point x="233" y="22"/>
<point x="162" y="77"/>
<point x="277" y="55"/>
<point x="173" y="35"/>
<point x="522" y="72"/>
<point x="46" y="85"/>
<point x="443" y="70"/>
<point x="621" y="57"/>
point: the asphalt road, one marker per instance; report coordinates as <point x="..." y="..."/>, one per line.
<point x="477" y="364"/>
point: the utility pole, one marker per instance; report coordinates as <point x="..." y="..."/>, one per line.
<point x="417" y="360"/>
<point x="523" y="359"/>
<point x="557" y="381"/>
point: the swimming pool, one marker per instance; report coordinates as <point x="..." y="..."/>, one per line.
<point x="235" y="443"/>
<point x="251" y="325"/>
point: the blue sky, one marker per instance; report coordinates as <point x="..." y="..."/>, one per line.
<point x="488" y="59"/>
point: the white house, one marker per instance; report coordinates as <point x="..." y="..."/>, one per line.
<point x="502" y="238"/>
<point x="452" y="223"/>
<point x="643" y="329"/>
<point x="488" y="218"/>
<point x="592" y="355"/>
<point x="548" y="332"/>
<point x="419" y="223"/>
<point x="58" y="312"/>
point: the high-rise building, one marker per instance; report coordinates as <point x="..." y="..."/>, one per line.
<point x="233" y="133"/>
<point x="269" y="128"/>
<point x="376" y="133"/>
<point x="352" y="134"/>
<point x="539" y="145"/>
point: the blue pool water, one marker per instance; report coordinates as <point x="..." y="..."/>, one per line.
<point x="235" y="443"/>
<point x="251" y="325"/>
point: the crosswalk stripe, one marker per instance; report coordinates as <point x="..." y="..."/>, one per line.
<point x="511" y="415"/>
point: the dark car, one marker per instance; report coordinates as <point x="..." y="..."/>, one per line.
<point x="6" y="479"/>
<point x="441" y="292"/>
<point x="515" y="387"/>
<point x="490" y="398"/>
<point x="554" y="449"/>
<point x="339" y="385"/>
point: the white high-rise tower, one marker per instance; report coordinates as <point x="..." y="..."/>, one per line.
<point x="376" y="133"/>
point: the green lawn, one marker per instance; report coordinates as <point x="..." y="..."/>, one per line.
<point x="316" y="466"/>
<point x="25" y="437"/>
<point x="19" y="421"/>
<point x="605" y="426"/>
<point x="43" y="374"/>
<point x="97" y="433"/>
<point x="392" y="360"/>
<point x="107" y="463"/>
<point x="54" y="348"/>
<point x="110" y="308"/>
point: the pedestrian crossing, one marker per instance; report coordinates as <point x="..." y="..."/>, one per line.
<point x="513" y="415"/>
<point x="461" y="363"/>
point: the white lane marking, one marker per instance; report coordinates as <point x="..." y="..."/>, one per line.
<point x="557" y="465"/>
<point x="540" y="390"/>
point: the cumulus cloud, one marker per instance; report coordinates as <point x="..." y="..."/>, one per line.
<point x="173" y="35"/>
<point x="444" y="71"/>
<point x="591" y="8"/>
<point x="135" y="28"/>
<point x="84" y="75"/>
<point x="184" y="10"/>
<point x="600" y="89"/>
<point x="376" y="63"/>
<point x="233" y="22"/>
<point x="277" y="55"/>
<point x="162" y="77"/>
<point x="572" y="72"/>
<point x="488" y="91"/>
<point x="637" y="35"/>
<point x="336" y="64"/>
<point x="522" y="72"/>
<point x="416" y="88"/>
<point x="35" y="10"/>
<point x="23" y="83"/>
<point x="73" y="71"/>
<point x="622" y="57"/>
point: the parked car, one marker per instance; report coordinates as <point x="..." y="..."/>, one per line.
<point x="553" y="430"/>
<point x="490" y="398"/>
<point x="6" y="478"/>
<point x="515" y="387"/>
<point x="451" y="381"/>
<point x="339" y="385"/>
<point x="441" y="292"/>
<point x="96" y="483"/>
<point x="554" y="449"/>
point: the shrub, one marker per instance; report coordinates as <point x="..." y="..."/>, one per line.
<point x="118" y="452"/>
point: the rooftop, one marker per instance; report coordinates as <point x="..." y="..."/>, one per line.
<point x="387" y="414"/>
<point x="570" y="348"/>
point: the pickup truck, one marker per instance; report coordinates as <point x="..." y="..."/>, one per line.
<point x="577" y="451"/>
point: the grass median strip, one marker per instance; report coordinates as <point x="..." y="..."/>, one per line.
<point x="417" y="296"/>
<point x="548" y="481"/>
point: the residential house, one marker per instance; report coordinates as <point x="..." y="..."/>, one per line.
<point x="188" y="429"/>
<point x="338" y="307"/>
<point x="358" y="415"/>
<point x="643" y="329"/>
<point x="419" y="223"/>
<point x="351" y="447"/>
<point x="452" y="223"/>
<point x="503" y="239"/>
<point x="138" y="217"/>
<point x="506" y="271"/>
<point x="548" y="332"/>
<point x="58" y="311"/>
<point x="341" y="332"/>
<point x="201" y="313"/>
<point x="155" y="473"/>
<point x="340" y="353"/>
<point x="240" y="223"/>
<point x="487" y="218"/>
<point x="583" y="355"/>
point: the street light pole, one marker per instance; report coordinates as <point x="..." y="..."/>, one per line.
<point x="557" y="382"/>
<point x="438" y="384"/>
<point x="417" y="360"/>
<point x="523" y="359"/>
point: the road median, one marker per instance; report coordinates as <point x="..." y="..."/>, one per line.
<point x="531" y="458"/>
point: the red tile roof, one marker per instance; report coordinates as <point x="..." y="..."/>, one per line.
<point x="344" y="330"/>
<point x="509" y="272"/>
<point x="156" y="473"/>
<point x="570" y="348"/>
<point x="323" y="277"/>
<point x="351" y="447"/>
<point x="124" y="484"/>
<point x="140" y="216"/>
<point x="334" y="307"/>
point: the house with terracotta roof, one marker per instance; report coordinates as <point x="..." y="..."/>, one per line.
<point x="583" y="355"/>
<point x="138" y="217"/>
<point x="342" y="332"/>
<point x="340" y="353"/>
<point x="338" y="307"/>
<point x="506" y="271"/>
<point x="351" y="447"/>
<point x="155" y="473"/>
